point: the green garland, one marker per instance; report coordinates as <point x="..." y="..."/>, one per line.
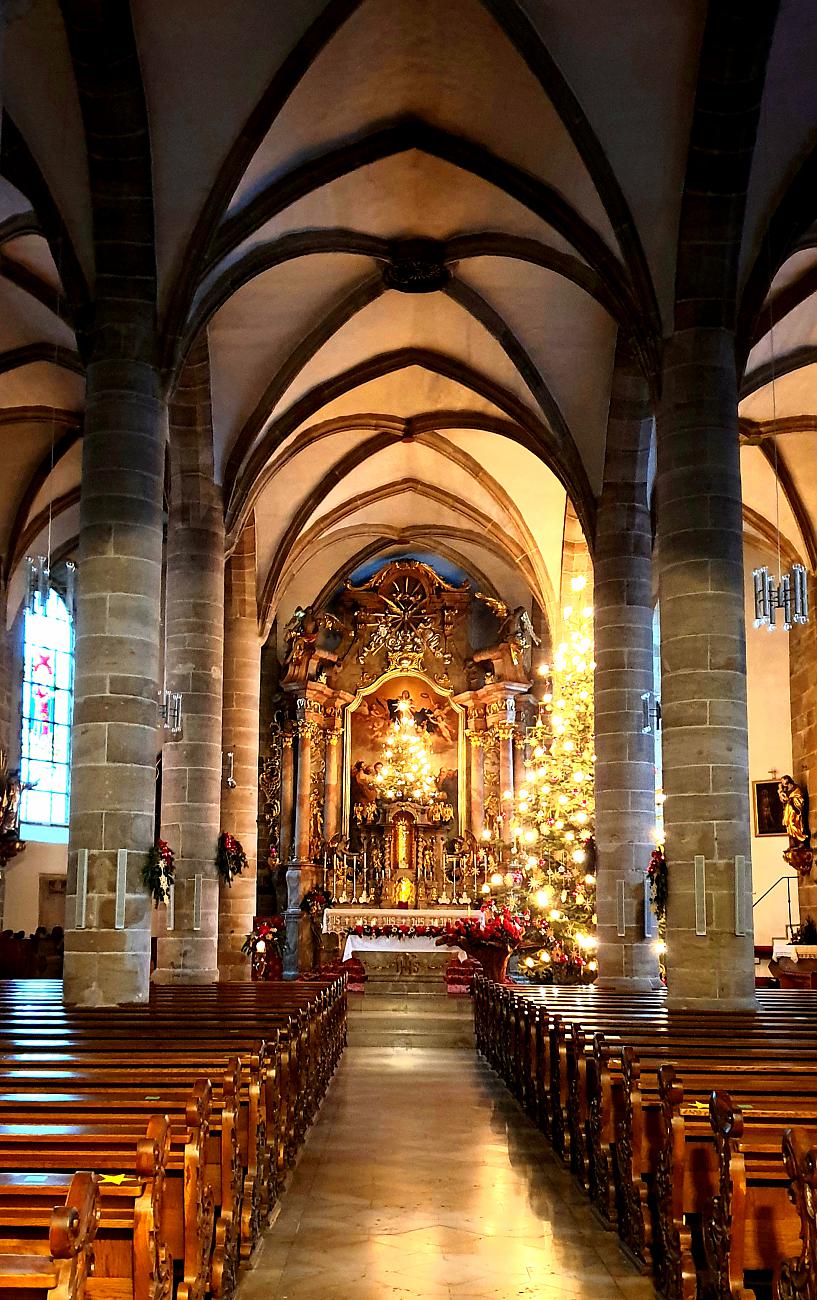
<point x="158" y="871"/>
<point x="658" y="877"/>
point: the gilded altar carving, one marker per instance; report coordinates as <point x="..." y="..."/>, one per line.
<point x="407" y="612"/>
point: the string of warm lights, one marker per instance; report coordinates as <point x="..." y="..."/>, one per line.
<point x="406" y="771"/>
<point x="552" y="862"/>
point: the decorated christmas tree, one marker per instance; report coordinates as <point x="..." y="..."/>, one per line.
<point x="552" y="865"/>
<point x="406" y="770"/>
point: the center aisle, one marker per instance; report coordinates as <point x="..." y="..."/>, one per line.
<point x="422" y="1179"/>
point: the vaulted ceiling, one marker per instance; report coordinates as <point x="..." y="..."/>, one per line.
<point x="413" y="233"/>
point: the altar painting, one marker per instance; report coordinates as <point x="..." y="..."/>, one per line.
<point x="371" y="721"/>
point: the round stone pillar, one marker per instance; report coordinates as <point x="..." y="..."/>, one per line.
<point x="623" y="620"/>
<point x="116" y="683"/>
<point x="710" y="956"/>
<point x="194" y="654"/>
<point x="239" y="731"/>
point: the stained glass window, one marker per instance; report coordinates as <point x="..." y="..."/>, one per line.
<point x="48" y="699"/>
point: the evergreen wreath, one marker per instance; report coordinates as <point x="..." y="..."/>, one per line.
<point x="658" y="877"/>
<point x="158" y="871"/>
<point x="231" y="859"/>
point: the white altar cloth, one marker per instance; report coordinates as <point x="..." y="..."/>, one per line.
<point x="382" y="943"/>
<point x="337" y="920"/>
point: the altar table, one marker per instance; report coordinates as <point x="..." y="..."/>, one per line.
<point x="362" y="943"/>
<point x="337" y="920"/>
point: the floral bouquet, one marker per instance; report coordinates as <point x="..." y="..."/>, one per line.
<point x="659" y="882"/>
<point x="315" y="901"/>
<point x="269" y="931"/>
<point x="231" y="859"/>
<point x="158" y="871"/>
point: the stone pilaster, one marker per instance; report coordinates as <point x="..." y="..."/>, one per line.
<point x="239" y="807"/>
<point x="623" y="613"/>
<point x="703" y="670"/>
<point x="476" y="782"/>
<point x="113" y="766"/>
<point x="194" y="653"/>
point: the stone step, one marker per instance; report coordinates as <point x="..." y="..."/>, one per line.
<point x="410" y="988"/>
<point x="394" y="1034"/>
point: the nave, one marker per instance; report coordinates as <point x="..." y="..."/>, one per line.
<point x="422" y="1178"/>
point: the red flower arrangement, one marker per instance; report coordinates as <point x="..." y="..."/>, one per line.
<point x="158" y="871"/>
<point x="366" y="931"/>
<point x="231" y="859"/>
<point x="270" y="930"/>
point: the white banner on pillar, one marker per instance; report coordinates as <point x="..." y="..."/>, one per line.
<point x="741" y="893"/>
<point x="82" y="889"/>
<point x="700" y="894"/>
<point x="170" y="921"/>
<point x="121" y="888"/>
<point x="621" y="919"/>
<point x="197" y="903"/>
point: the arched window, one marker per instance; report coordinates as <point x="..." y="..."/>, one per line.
<point x="48" y="701"/>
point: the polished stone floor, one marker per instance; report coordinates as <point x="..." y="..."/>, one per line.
<point x="421" y="1178"/>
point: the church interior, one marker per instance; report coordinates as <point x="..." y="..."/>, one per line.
<point x="408" y="653"/>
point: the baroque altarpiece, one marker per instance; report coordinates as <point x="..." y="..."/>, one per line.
<point x="397" y="726"/>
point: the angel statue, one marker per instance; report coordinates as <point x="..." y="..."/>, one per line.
<point x="515" y="626"/>
<point x="301" y="643"/>
<point x="11" y="791"/>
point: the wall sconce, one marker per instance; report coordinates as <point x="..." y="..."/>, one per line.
<point x="229" y="768"/>
<point x="171" y="712"/>
<point x="650" y="713"/>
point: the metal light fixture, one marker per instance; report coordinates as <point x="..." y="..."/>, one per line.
<point x="789" y="594"/>
<point x="650" y="713"/>
<point x="171" y="712"/>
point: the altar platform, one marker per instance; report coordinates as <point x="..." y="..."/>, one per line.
<point x="408" y="951"/>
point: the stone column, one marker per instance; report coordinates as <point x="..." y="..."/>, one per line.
<point x="239" y="733"/>
<point x="194" y="653"/>
<point x="302" y="791"/>
<point x="703" y="671"/>
<point x="623" y="614"/>
<point x="116" y="683"/>
<point x="476" y="782"/>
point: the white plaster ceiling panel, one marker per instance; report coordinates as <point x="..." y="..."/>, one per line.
<point x="13" y="203"/>
<point x="40" y="93"/>
<point x="797" y="329"/>
<point x="25" y="320"/>
<point x="65" y="475"/>
<point x="258" y="328"/>
<point x="794" y="394"/>
<point x="42" y="384"/>
<point x="400" y="197"/>
<point x="205" y="65"/>
<point x="24" y="446"/>
<point x="800" y="452"/>
<point x="758" y="491"/>
<point x="64" y="530"/>
<point x="568" y="335"/>
<point x="404" y="393"/>
<point x="449" y="64"/>
<point x="633" y="68"/>
<point x="395" y="321"/>
<point x="288" y="484"/>
<point x="793" y="268"/>
<point x="786" y="129"/>
<point x="535" y="490"/>
<point x="412" y="460"/>
<point x="33" y="253"/>
<point x="415" y="506"/>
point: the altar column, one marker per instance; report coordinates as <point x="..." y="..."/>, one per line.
<point x="287" y="794"/>
<point x="332" y="787"/>
<point x="476" y="782"/>
<point x="239" y="806"/>
<point x="301" y="873"/>
<point x="623" y="621"/>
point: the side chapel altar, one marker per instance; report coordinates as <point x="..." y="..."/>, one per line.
<point x="398" y="742"/>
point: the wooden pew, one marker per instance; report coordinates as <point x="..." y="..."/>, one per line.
<point x="48" y="1252"/>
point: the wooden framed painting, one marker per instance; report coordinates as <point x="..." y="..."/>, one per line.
<point x="768" y="809"/>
